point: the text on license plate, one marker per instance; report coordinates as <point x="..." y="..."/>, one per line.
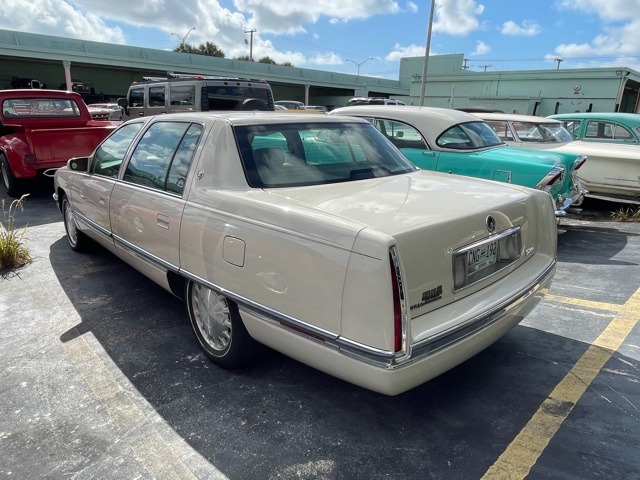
<point x="482" y="257"/>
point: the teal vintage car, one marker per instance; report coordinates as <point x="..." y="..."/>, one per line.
<point x="614" y="127"/>
<point x="452" y="141"/>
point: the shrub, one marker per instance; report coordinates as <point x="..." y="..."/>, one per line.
<point x="627" y="214"/>
<point x="13" y="252"/>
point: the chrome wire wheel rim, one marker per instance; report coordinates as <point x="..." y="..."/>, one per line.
<point x="70" y="224"/>
<point x="213" y="318"/>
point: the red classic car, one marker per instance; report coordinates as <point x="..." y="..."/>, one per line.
<point x="42" y="129"/>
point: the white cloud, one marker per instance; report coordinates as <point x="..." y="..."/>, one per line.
<point x="286" y="16"/>
<point x="621" y="30"/>
<point x="526" y="29"/>
<point x="412" y="7"/>
<point x="326" y="59"/>
<point x="399" y="52"/>
<point x="481" y="48"/>
<point x="57" y="17"/>
<point x="457" y="17"/>
<point x="607" y="10"/>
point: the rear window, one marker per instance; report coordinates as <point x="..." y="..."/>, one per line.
<point x="231" y="97"/>
<point x="284" y="155"/>
<point x="40" y="107"/>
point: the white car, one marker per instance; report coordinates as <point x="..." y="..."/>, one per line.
<point x="612" y="170"/>
<point x="315" y="236"/>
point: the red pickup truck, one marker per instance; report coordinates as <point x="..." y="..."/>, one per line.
<point x="42" y="129"/>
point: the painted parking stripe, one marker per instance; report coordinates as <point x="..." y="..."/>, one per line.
<point x="522" y="454"/>
<point x="154" y="454"/>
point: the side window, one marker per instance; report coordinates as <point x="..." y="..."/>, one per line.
<point x="109" y="155"/>
<point x="182" y="94"/>
<point x="621" y="133"/>
<point x="573" y="127"/>
<point x="597" y="129"/>
<point x="501" y="129"/>
<point x="152" y="157"/>
<point x="136" y="97"/>
<point x="401" y="135"/>
<point x="182" y="159"/>
<point x="157" y="96"/>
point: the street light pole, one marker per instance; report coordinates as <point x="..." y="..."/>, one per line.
<point x="252" y="31"/>
<point x="183" y="39"/>
<point x="359" y="64"/>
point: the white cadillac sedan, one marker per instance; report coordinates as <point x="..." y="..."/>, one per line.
<point x="315" y="236"/>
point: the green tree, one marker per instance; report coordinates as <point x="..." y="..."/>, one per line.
<point x="267" y="60"/>
<point x="205" y="48"/>
<point x="243" y="57"/>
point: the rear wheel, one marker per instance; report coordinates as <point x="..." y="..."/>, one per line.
<point x="218" y="327"/>
<point x="78" y="241"/>
<point x="11" y="183"/>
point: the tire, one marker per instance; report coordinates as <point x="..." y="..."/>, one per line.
<point x="218" y="327"/>
<point x="78" y="241"/>
<point x="11" y="183"/>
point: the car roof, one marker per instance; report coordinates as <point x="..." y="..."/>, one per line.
<point x="515" y="117"/>
<point x="253" y="118"/>
<point x="432" y="120"/>
<point x="631" y="119"/>
<point x="38" y="93"/>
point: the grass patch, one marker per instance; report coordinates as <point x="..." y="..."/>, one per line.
<point x="629" y="214"/>
<point x="13" y="252"/>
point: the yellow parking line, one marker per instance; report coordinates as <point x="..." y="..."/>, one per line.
<point x="614" y="307"/>
<point x="522" y="454"/>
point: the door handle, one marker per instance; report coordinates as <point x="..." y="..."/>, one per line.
<point x="163" y="221"/>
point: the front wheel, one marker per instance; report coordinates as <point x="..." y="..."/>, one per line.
<point x="78" y="241"/>
<point x="218" y="327"/>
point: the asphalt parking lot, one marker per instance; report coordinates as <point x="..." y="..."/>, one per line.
<point x="101" y="377"/>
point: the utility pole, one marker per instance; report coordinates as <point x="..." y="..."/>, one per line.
<point x="252" y="31"/>
<point x="426" y="54"/>
<point x="558" y="60"/>
<point x="486" y="66"/>
<point x="465" y="67"/>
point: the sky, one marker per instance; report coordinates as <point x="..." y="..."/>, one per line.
<point x="368" y="37"/>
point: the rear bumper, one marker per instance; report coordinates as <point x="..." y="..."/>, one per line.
<point x="429" y="356"/>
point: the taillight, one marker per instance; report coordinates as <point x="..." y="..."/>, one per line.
<point x="579" y="162"/>
<point x="556" y="173"/>
<point x="396" y="287"/>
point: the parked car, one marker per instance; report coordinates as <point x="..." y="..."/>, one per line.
<point x="42" y="129"/>
<point x="457" y="142"/>
<point x="602" y="127"/>
<point x="372" y="101"/>
<point x="194" y="93"/>
<point x="314" y="235"/>
<point x="612" y="171"/>
<point x="291" y="104"/>
<point x="113" y="111"/>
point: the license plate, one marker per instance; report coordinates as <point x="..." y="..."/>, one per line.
<point x="482" y="257"/>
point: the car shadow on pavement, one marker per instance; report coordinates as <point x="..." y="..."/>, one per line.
<point x="281" y="419"/>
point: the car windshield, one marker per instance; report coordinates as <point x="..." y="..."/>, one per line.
<point x="469" y="136"/>
<point x="296" y="154"/>
<point x="542" y="132"/>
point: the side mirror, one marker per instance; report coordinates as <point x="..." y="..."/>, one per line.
<point x="78" y="164"/>
<point x="123" y="103"/>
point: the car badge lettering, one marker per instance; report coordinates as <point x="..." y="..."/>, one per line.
<point x="528" y="251"/>
<point x="491" y="224"/>
<point x="429" y="296"/>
